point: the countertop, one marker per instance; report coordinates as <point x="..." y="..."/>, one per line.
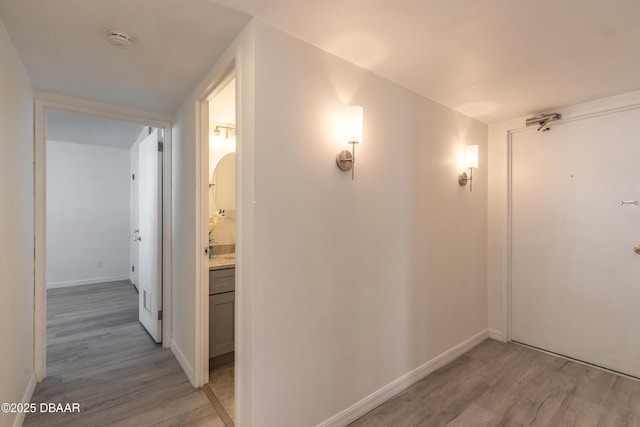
<point x="219" y="262"/>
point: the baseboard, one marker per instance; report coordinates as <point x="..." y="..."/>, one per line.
<point x="93" y="281"/>
<point x="497" y="335"/>
<point x="28" y="393"/>
<point x="184" y="363"/>
<point x="392" y="389"/>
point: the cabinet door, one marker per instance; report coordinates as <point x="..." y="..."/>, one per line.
<point x="222" y="281"/>
<point x="221" y="323"/>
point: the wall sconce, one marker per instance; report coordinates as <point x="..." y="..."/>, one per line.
<point x="216" y="135"/>
<point x="470" y="162"/>
<point x="353" y="127"/>
<point x="227" y="129"/>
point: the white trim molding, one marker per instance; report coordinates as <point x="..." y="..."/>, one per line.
<point x="28" y="393"/>
<point x="101" y="109"/>
<point x="167" y="238"/>
<point x="499" y="201"/>
<point x="44" y="101"/>
<point x="497" y="335"/>
<point x="394" y="388"/>
<point x="92" y="281"/>
<point x="183" y="361"/>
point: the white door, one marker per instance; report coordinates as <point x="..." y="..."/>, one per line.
<point x="150" y="237"/>
<point x="575" y="275"/>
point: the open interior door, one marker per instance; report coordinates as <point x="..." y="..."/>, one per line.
<point x="150" y="237"/>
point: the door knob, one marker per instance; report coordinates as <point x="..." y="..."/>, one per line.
<point x="636" y="249"/>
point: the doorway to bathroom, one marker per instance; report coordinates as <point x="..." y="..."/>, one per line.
<point x="220" y="203"/>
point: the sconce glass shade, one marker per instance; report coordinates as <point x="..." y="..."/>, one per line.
<point x="215" y="140"/>
<point x="471" y="156"/>
<point x="353" y="123"/>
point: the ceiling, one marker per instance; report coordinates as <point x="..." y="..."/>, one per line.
<point x="82" y="129"/>
<point x="63" y="47"/>
<point x="490" y="59"/>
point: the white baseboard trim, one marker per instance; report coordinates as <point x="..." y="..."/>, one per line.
<point x="184" y="363"/>
<point x="392" y="389"/>
<point x="28" y="393"/>
<point x="497" y="335"/>
<point x="93" y="281"/>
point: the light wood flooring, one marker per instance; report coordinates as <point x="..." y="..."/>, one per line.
<point x="498" y="384"/>
<point x="220" y="390"/>
<point x="100" y="356"/>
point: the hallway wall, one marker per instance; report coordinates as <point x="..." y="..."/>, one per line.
<point x="357" y="283"/>
<point x="88" y="214"/>
<point x="347" y="285"/>
<point x="186" y="163"/>
<point x="16" y="230"/>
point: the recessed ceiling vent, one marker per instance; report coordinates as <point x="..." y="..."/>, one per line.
<point x="119" y="39"/>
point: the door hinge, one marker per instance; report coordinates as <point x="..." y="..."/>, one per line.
<point x="133" y="268"/>
<point x="133" y="176"/>
<point x="160" y="315"/>
<point x="160" y="140"/>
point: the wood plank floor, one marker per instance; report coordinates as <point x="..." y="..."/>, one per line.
<point x="100" y="356"/>
<point x="222" y="387"/>
<point x="498" y="384"/>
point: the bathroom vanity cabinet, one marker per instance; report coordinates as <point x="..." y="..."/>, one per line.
<point x="222" y="297"/>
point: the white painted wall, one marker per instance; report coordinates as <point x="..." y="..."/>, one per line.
<point x="88" y="213"/>
<point x="497" y="226"/>
<point x="184" y="232"/>
<point x="348" y="285"/>
<point x="187" y="160"/>
<point x="356" y="282"/>
<point x="16" y="230"/>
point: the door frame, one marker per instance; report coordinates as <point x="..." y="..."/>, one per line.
<point x="499" y="258"/>
<point x="239" y="56"/>
<point x="228" y="73"/>
<point x="44" y="101"/>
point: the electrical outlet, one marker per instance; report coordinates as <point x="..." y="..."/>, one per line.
<point x="99" y="264"/>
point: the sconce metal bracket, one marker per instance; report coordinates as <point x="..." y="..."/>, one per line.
<point x="344" y="160"/>
<point x="463" y="179"/>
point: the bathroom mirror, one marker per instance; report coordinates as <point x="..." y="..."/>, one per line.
<point x="224" y="183"/>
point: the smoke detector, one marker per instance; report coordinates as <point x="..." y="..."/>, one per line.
<point x="119" y="39"/>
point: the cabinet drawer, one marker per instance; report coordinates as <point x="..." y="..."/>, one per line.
<point x="222" y="281"/>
